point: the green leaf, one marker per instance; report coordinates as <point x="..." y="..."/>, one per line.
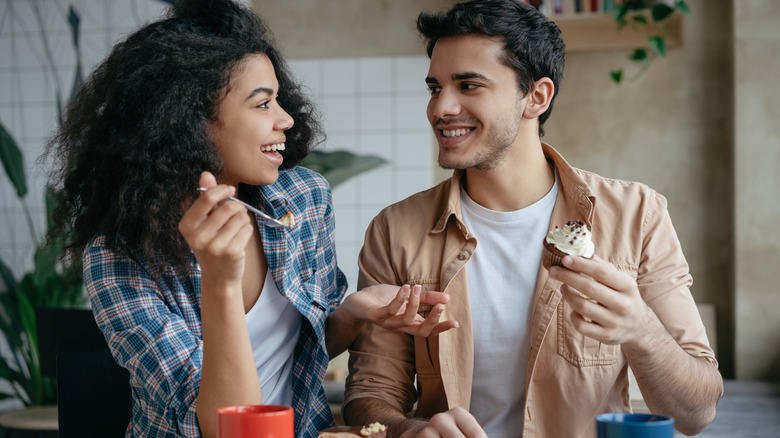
<point x="658" y="44"/>
<point x="640" y="19"/>
<point x="73" y="21"/>
<point x="661" y="11"/>
<point x="682" y="7"/>
<point x="620" y="12"/>
<point x="13" y="163"/>
<point x="639" y="55"/>
<point x="51" y="204"/>
<point x="12" y="334"/>
<point x="9" y="374"/>
<point x="8" y="278"/>
<point x="616" y="75"/>
<point x="340" y="165"/>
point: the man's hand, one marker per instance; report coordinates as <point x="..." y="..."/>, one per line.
<point x="606" y="302"/>
<point x="455" y="423"/>
<point x="395" y="308"/>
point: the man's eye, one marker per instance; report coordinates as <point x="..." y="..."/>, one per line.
<point x="468" y="86"/>
<point x="433" y="89"/>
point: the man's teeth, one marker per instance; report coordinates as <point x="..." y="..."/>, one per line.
<point x="273" y="147"/>
<point x="455" y="132"/>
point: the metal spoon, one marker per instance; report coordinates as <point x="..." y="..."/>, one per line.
<point x="271" y="222"/>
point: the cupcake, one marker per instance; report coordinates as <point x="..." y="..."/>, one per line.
<point x="373" y="430"/>
<point x="573" y="239"/>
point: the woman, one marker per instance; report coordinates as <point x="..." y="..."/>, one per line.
<point x="202" y="303"/>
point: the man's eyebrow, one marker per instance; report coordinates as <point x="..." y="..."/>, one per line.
<point x="469" y="75"/>
<point x="459" y="77"/>
<point x="259" y="90"/>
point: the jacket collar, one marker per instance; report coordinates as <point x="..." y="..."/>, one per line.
<point x="572" y="185"/>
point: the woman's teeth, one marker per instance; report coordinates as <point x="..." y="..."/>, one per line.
<point x="273" y="147"/>
<point x="455" y="132"/>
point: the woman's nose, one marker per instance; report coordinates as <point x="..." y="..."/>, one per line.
<point x="284" y="121"/>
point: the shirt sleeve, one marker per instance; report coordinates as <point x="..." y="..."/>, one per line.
<point x="664" y="280"/>
<point x="335" y="280"/>
<point x="147" y="337"/>
<point x="382" y="363"/>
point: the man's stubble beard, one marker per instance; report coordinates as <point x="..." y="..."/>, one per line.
<point x="499" y="143"/>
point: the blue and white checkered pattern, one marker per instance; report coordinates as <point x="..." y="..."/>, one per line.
<point x="151" y="315"/>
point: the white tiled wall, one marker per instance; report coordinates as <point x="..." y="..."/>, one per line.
<point x="370" y="105"/>
<point x="38" y="62"/>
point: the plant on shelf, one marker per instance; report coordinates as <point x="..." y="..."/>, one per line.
<point x="654" y="19"/>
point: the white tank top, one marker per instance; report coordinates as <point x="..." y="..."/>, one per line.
<point x="501" y="277"/>
<point x="274" y="325"/>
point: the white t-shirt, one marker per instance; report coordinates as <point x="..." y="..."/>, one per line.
<point x="502" y="276"/>
<point x="274" y="325"/>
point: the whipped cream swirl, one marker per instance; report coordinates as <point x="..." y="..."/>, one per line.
<point x="573" y="238"/>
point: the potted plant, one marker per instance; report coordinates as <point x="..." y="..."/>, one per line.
<point x="652" y="17"/>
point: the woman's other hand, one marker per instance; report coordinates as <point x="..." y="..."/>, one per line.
<point x="395" y="308"/>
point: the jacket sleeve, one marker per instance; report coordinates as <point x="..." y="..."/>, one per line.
<point x="381" y="363"/>
<point x="162" y="354"/>
<point x="664" y="281"/>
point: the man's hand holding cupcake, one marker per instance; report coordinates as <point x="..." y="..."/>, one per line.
<point x="606" y="302"/>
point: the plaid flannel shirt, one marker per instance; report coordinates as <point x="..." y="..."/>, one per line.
<point x="151" y="316"/>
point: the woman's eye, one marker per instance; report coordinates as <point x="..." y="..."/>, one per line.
<point x="263" y="104"/>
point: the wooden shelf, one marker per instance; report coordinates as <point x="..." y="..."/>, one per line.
<point x="591" y="32"/>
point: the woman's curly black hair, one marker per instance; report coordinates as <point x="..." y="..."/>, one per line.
<point x="135" y="139"/>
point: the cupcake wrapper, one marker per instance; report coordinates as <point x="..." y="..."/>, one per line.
<point x="550" y="259"/>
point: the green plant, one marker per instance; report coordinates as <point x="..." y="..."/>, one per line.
<point x="51" y="283"/>
<point x="655" y="21"/>
<point x="59" y="284"/>
<point x="340" y="165"/>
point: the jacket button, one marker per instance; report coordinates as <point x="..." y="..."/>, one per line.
<point x="463" y="255"/>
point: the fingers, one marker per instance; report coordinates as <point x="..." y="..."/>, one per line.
<point x="427" y="327"/>
<point x="456" y="422"/>
<point x="410" y="314"/>
<point x="589" y="287"/>
<point x="433" y="298"/>
<point x="600" y="270"/>
<point x="400" y="299"/>
<point x="207" y="180"/>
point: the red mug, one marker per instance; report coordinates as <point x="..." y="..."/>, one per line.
<point x="256" y="421"/>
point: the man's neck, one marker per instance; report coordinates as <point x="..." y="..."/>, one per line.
<point x="523" y="178"/>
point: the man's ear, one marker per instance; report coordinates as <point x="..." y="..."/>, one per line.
<point x="539" y="98"/>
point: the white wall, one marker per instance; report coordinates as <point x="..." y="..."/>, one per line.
<point x="30" y="82"/>
<point x="371" y="105"/>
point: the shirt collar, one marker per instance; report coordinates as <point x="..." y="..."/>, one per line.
<point x="573" y="186"/>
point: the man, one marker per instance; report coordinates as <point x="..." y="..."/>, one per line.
<point x="538" y="353"/>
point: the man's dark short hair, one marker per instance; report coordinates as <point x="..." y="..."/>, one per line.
<point x="533" y="44"/>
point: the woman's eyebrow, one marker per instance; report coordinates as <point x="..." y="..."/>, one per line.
<point x="259" y="90"/>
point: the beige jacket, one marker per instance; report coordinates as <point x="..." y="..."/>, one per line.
<point x="571" y="378"/>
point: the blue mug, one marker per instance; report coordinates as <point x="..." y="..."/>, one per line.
<point x="624" y="425"/>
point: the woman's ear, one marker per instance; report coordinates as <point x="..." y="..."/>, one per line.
<point x="539" y="98"/>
